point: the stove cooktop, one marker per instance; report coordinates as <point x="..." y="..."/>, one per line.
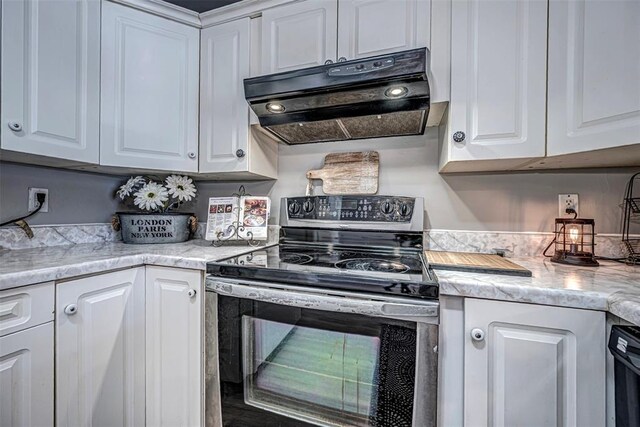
<point x="401" y="272"/>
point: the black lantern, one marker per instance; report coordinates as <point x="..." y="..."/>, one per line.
<point x="574" y="242"/>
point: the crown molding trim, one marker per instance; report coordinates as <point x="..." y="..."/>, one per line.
<point x="165" y="10"/>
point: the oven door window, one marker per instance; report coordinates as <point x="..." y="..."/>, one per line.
<point x="323" y="377"/>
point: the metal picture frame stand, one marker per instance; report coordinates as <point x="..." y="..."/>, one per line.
<point x="233" y="231"/>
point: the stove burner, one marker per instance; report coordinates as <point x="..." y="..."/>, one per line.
<point x="295" y="258"/>
<point x="372" y="264"/>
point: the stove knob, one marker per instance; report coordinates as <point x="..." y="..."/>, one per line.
<point x="308" y="206"/>
<point x="404" y="209"/>
<point x="294" y="208"/>
<point x="387" y="207"/>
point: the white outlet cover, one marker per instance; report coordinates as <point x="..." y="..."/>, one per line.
<point x="567" y="200"/>
<point x="33" y="202"/>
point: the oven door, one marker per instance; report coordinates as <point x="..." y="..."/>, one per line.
<point x="288" y="357"/>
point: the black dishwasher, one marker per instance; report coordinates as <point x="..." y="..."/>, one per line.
<point x="624" y="344"/>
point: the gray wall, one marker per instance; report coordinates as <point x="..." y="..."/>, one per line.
<point x="497" y="202"/>
<point x="74" y="197"/>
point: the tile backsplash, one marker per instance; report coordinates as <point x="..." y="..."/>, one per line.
<point x="513" y="244"/>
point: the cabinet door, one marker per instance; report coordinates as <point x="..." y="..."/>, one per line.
<point x="100" y="350"/>
<point x="51" y="78"/>
<point x="299" y="35"/>
<point x="174" y="349"/>
<point x="26" y="377"/>
<point x="537" y="365"/>
<point x="224" y="113"/>
<point x="375" y="27"/>
<point x="498" y="86"/>
<point x="594" y="67"/>
<point x="149" y="115"/>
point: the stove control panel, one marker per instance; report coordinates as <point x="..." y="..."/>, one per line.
<point x="351" y="208"/>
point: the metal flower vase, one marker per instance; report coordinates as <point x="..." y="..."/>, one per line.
<point x="149" y="228"/>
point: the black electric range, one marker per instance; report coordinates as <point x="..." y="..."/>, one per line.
<point x="365" y="244"/>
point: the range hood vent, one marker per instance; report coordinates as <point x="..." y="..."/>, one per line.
<point x="377" y="97"/>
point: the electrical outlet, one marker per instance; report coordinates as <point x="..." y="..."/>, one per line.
<point x="33" y="201"/>
<point x="567" y="201"/>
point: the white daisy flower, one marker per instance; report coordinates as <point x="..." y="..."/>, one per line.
<point x="126" y="189"/>
<point x="151" y="197"/>
<point x="181" y="187"/>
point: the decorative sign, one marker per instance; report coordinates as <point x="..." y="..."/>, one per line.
<point x="152" y="228"/>
<point x="155" y="228"/>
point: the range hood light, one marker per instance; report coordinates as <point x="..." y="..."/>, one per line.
<point x="274" y="107"/>
<point x="396" y="92"/>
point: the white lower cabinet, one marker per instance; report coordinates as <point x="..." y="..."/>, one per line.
<point x="100" y="350"/>
<point x="174" y="349"/>
<point x="26" y="377"/>
<point x="129" y="349"/>
<point x="533" y="365"/>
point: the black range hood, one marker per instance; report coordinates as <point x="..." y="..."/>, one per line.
<point x="376" y="97"/>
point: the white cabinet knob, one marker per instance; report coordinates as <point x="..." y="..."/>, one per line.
<point x="15" y="126"/>
<point x="71" y="309"/>
<point x="192" y="154"/>
<point x="191" y="293"/>
<point x="477" y="334"/>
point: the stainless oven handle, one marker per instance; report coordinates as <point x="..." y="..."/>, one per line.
<point x="423" y="311"/>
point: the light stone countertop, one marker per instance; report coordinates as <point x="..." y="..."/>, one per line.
<point x="612" y="287"/>
<point x="29" y="266"/>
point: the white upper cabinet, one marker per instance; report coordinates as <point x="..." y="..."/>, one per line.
<point x="174" y="346"/>
<point x="51" y="78"/>
<point x="534" y="366"/>
<point x="375" y="27"/>
<point x="224" y="112"/>
<point x="498" y="83"/>
<point x="227" y="143"/>
<point x="100" y="350"/>
<point x="299" y="35"/>
<point x="594" y="75"/>
<point x="149" y="108"/>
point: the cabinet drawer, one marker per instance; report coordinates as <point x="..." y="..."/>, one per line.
<point x="25" y="307"/>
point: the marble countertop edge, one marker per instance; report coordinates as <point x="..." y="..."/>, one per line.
<point x="612" y="287"/>
<point x="589" y="300"/>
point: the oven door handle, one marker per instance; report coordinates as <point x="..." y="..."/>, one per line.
<point x="422" y="311"/>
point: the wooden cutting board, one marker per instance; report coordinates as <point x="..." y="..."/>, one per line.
<point x="474" y="262"/>
<point x="349" y="173"/>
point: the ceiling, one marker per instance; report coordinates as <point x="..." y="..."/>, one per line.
<point x="201" y="5"/>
